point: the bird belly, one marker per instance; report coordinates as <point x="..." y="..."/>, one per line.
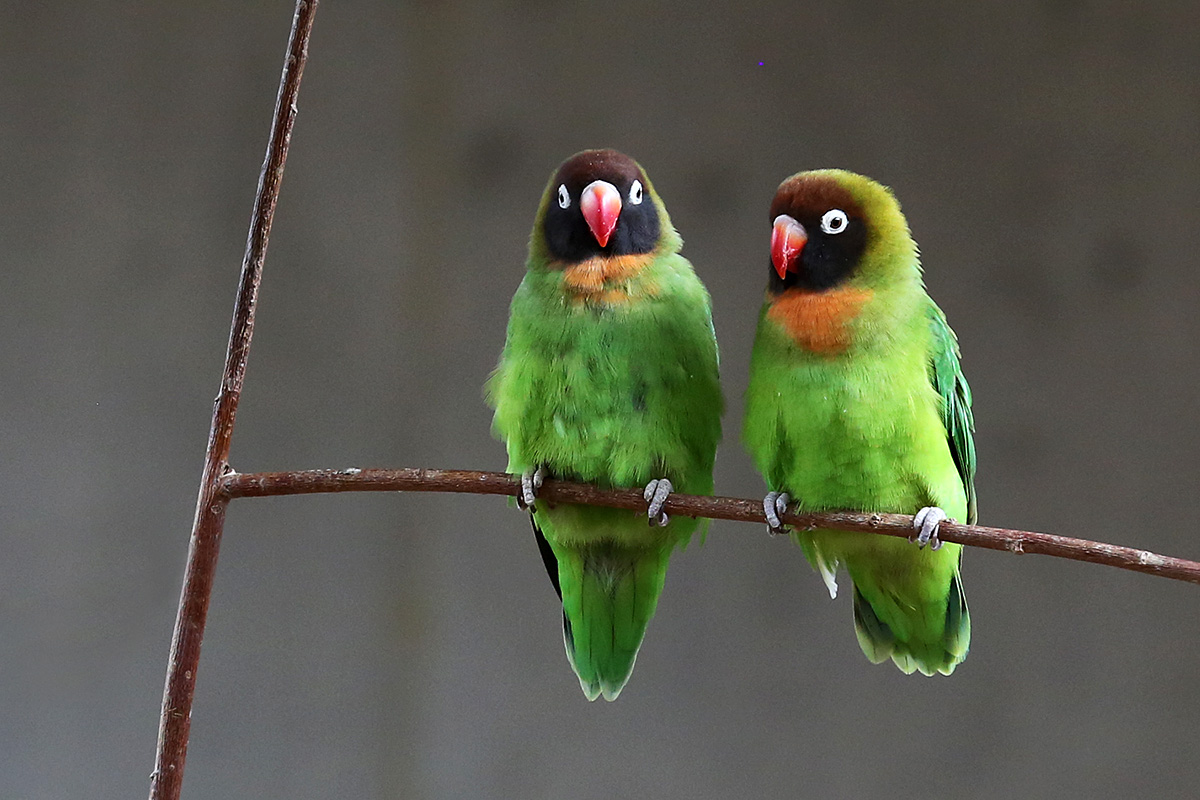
<point x="868" y="442"/>
<point x="602" y="406"/>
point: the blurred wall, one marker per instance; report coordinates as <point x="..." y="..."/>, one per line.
<point x="376" y="646"/>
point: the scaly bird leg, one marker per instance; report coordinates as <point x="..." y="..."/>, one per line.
<point x="925" y="523"/>
<point x="530" y="483"/>
<point x="774" y="504"/>
<point x="656" y="494"/>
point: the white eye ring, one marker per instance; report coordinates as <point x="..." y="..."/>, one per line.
<point x="834" y="221"/>
<point x="564" y="199"/>
<point x="635" y="193"/>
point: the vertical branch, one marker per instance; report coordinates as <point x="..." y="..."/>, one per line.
<point x="175" y="721"/>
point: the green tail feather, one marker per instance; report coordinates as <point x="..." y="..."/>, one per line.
<point x="928" y="648"/>
<point x="609" y="594"/>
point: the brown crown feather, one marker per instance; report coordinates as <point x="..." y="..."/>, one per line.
<point x="583" y="168"/>
<point x="807" y="196"/>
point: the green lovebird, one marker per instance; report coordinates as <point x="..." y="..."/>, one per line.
<point x="856" y="401"/>
<point x="608" y="376"/>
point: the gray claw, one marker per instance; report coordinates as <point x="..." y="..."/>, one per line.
<point x="530" y="483"/>
<point x="774" y="504"/>
<point x="656" y="494"/>
<point x="925" y="523"/>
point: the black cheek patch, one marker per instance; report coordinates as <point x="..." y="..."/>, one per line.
<point x="567" y="235"/>
<point x="637" y="231"/>
<point x="827" y="261"/>
<point x="827" y="264"/>
<point x="569" y="240"/>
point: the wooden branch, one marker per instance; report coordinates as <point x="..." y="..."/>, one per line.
<point x="263" y="484"/>
<point x="175" y="721"/>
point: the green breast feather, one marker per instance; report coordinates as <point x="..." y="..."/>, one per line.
<point x="617" y="395"/>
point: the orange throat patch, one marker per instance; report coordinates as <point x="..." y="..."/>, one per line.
<point x="819" y="321"/>
<point x="606" y="279"/>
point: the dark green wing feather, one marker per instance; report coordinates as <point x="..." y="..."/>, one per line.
<point x="947" y="377"/>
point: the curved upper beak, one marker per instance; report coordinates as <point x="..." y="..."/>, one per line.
<point x="601" y="206"/>
<point x="787" y="242"/>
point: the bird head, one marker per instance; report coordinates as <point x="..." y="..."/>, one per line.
<point x="600" y="203"/>
<point x="840" y="253"/>
<point x="819" y="231"/>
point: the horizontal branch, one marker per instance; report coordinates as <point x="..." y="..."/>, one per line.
<point x="263" y="484"/>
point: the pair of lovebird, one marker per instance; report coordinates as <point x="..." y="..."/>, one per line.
<point x="855" y="401"/>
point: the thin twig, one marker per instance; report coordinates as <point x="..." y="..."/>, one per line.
<point x="263" y="484"/>
<point x="175" y="720"/>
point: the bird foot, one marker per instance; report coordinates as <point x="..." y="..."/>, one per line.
<point x="656" y="493"/>
<point x="774" y="504"/>
<point x="926" y="523"/>
<point x="530" y="483"/>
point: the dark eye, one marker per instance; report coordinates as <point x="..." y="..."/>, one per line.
<point x="635" y="193"/>
<point x="834" y="221"/>
<point x="564" y="199"/>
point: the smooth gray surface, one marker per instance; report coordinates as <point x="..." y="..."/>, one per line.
<point x="409" y="646"/>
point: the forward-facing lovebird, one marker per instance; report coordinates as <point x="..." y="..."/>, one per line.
<point x="856" y="401"/>
<point x="608" y="376"/>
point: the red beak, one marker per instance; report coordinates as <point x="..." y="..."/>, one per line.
<point x="601" y="206"/>
<point x="787" y="242"/>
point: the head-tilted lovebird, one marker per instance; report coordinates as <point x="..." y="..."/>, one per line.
<point x="609" y="376"/>
<point x="856" y="401"/>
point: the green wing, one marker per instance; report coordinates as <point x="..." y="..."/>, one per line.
<point x="947" y="377"/>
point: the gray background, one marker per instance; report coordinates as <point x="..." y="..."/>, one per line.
<point x="377" y="646"/>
